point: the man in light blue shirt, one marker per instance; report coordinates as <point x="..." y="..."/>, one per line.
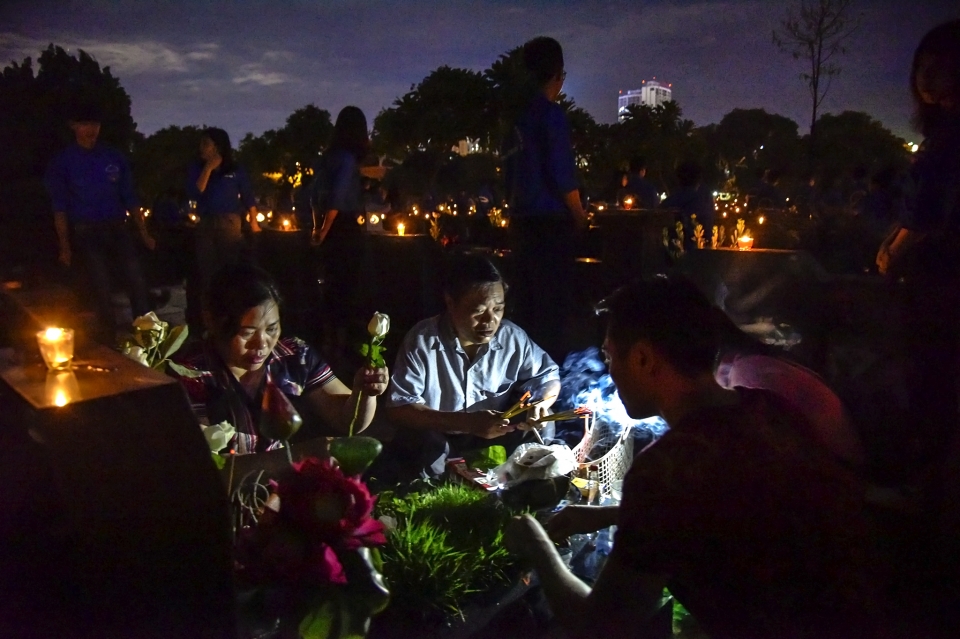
<point x="458" y="372"/>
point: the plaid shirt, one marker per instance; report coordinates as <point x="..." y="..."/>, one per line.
<point x="216" y="395"/>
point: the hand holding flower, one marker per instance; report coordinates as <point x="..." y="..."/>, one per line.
<point x="372" y="381"/>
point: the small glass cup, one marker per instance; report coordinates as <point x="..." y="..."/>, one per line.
<point x="62" y="387"/>
<point x="56" y="347"/>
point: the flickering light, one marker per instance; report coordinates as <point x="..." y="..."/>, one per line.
<point x="745" y="243"/>
<point x="261" y="217"/>
<point x="361" y="220"/>
<point x="56" y="347"/>
<point x="401" y="229"/>
<point x="374" y="219"/>
<point x="286" y="225"/>
<point x="760" y="221"/>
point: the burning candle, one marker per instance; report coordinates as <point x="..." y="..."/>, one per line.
<point x="745" y="243"/>
<point x="62" y="388"/>
<point x="56" y="347"/>
<point x="628" y="203"/>
<point x="286" y="225"/>
<point x="401" y="229"/>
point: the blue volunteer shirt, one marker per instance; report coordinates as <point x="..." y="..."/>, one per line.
<point x="227" y="192"/>
<point x="546" y="169"/>
<point x="91" y="185"/>
<point x="337" y="185"/>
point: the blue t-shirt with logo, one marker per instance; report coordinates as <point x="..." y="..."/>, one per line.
<point x="91" y="185"/>
<point x="227" y="191"/>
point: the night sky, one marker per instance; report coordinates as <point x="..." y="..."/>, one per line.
<point x="246" y="66"/>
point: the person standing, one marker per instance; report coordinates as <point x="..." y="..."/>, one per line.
<point x="223" y="194"/>
<point x="337" y="202"/>
<point x="91" y="191"/>
<point x="644" y="192"/>
<point x="545" y="201"/>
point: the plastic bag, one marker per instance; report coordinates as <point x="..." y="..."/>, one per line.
<point x="536" y="461"/>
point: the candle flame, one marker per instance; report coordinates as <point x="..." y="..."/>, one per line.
<point x="60" y="399"/>
<point x="401" y="229"/>
<point x="760" y="221"/>
<point x="53" y="334"/>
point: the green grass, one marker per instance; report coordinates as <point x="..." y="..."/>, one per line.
<point x="448" y="545"/>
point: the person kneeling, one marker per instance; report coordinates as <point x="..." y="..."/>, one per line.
<point x="243" y="352"/>
<point x="458" y="372"/>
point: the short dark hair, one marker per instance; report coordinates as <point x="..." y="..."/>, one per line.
<point x="232" y="292"/>
<point x="85" y="111"/>
<point x="638" y="163"/>
<point x="464" y="272"/>
<point x="669" y="312"/>
<point x="221" y="140"/>
<point x="689" y="173"/>
<point x="543" y="58"/>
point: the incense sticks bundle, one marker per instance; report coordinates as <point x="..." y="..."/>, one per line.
<point x="576" y="413"/>
<point x="524" y="405"/>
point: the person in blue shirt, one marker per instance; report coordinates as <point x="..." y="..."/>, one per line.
<point x="91" y="192"/>
<point x="224" y="196"/>
<point x="643" y="191"/>
<point x="545" y="205"/>
<point x="337" y="203"/>
<point x="690" y="200"/>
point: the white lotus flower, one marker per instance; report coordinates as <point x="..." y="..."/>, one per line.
<point x="150" y="322"/>
<point x="137" y="354"/>
<point x="219" y="435"/>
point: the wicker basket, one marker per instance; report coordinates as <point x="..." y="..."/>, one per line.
<point x="616" y="462"/>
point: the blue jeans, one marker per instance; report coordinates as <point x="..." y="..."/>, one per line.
<point x="103" y="248"/>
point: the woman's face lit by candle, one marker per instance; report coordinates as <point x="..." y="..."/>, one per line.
<point x="258" y="334"/>
<point x="477" y="314"/>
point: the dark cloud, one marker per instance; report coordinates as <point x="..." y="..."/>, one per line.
<point x="247" y="65"/>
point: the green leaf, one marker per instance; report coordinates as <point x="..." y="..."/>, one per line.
<point x="320" y="623"/>
<point x="183" y="371"/>
<point x="219" y="460"/>
<point x="174" y="341"/>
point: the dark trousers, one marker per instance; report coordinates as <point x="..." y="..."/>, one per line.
<point x="106" y="248"/>
<point x="543" y="257"/>
<point x="422" y="453"/>
<point x="219" y="242"/>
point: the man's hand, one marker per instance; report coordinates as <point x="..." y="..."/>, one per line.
<point x="65" y="256"/>
<point x="372" y="381"/>
<point x="579" y="520"/>
<point x="487" y="424"/>
<point x="530" y="423"/>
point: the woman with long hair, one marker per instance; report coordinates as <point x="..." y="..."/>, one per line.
<point x="244" y="351"/>
<point x="337" y="202"/>
<point x="222" y="191"/>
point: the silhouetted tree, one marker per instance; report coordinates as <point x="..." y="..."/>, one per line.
<point x="815" y="32"/>
<point x="161" y="160"/>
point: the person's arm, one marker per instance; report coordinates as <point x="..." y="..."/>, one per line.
<point x="891" y="254"/>
<point x="341" y="176"/>
<point x="56" y="182"/>
<point x="582" y="611"/>
<point x="580" y="520"/>
<point x="63" y="237"/>
<point x="487" y="424"/>
<point x="540" y="375"/>
<point x="335" y="403"/>
<point x="208" y="168"/>
<point x="563" y="163"/>
<point x="247" y="199"/>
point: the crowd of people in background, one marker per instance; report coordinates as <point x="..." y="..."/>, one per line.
<point x="752" y="509"/>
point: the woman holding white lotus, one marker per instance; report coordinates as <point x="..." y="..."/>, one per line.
<point x="227" y="373"/>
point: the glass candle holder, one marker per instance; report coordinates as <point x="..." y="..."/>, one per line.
<point x="401" y="229"/>
<point x="56" y="347"/>
<point x="745" y="243"/>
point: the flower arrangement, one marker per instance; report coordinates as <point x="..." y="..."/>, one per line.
<point x="313" y="548"/>
<point x="152" y="341"/>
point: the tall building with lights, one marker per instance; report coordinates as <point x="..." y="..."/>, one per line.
<point x="652" y="94"/>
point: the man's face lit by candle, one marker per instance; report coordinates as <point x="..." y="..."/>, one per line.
<point x="477" y="314"/>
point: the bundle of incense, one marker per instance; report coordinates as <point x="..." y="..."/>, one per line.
<point x="519" y="407"/>
<point x="523" y="405"/>
<point x="576" y="413"/>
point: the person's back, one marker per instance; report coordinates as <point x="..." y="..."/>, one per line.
<point x="761" y="534"/>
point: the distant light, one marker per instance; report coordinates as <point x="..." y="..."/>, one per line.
<point x="361" y="220"/>
<point x="760" y="220"/>
<point x="914" y="148"/>
<point x="261" y="217"/>
<point x="374" y="219"/>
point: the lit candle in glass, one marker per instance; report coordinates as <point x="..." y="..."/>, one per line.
<point x="401" y="229"/>
<point x="56" y="347"/>
<point x="62" y="388"/>
<point x="745" y="243"/>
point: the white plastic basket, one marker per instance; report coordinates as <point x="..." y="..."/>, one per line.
<point x="615" y="463"/>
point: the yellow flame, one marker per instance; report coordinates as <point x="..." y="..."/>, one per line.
<point x="60" y="399"/>
<point x="261" y="217"/>
<point x="53" y="334"/>
<point x="360" y="219"/>
<point x="374" y="219"/>
<point x="401" y="229"/>
<point x="760" y="221"/>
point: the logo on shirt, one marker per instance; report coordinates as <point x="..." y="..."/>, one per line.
<point x="113" y="172"/>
